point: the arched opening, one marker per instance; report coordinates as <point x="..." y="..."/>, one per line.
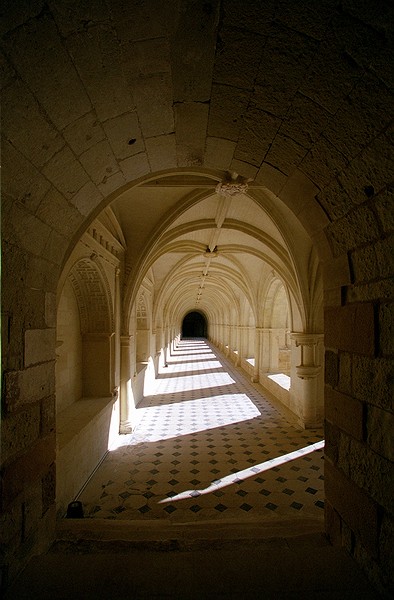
<point x="194" y="325"/>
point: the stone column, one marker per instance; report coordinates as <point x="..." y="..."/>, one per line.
<point x="308" y="371"/>
<point x="257" y="346"/>
<point x="117" y="321"/>
<point x="238" y="334"/>
<point x="126" y="394"/>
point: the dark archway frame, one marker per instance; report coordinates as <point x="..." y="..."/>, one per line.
<point x="194" y="325"/>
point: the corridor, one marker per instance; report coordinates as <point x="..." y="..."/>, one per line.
<point x="208" y="445"/>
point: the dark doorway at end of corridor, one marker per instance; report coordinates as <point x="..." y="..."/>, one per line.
<point x="194" y="325"/>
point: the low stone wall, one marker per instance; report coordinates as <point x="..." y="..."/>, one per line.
<point x="85" y="431"/>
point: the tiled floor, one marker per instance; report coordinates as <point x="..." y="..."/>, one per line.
<point x="208" y="445"/>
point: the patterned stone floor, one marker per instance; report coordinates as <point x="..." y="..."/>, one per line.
<point x="208" y="445"/>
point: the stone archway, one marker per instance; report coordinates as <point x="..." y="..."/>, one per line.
<point x="300" y="102"/>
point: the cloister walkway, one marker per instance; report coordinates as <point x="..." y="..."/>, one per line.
<point x="209" y="445"/>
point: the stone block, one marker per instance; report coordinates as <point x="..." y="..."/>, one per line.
<point x="305" y="121"/>
<point x="84" y="133"/>
<point x="331" y="76"/>
<point x="384" y="207"/>
<point x="191" y="124"/>
<point x="255" y="139"/>
<point x="219" y="153"/>
<point x="299" y="190"/>
<point x="386" y="329"/>
<point x="24" y="125"/>
<point x="49" y="489"/>
<point x="21" y="179"/>
<point x="99" y="162"/>
<point x="380" y="428"/>
<point x="29" y="386"/>
<point x="309" y="18"/>
<point x="365" y="112"/>
<point x="124" y="135"/>
<point x="331" y="368"/>
<point x="153" y="98"/>
<point x="285" y="60"/>
<point x="372" y="381"/>
<point x="87" y="199"/>
<point x="333" y="198"/>
<point x="56" y="247"/>
<point x="39" y="345"/>
<point x="273" y="179"/>
<point x="364" y="264"/>
<point x="285" y="154"/>
<point x="252" y="15"/>
<point x="243" y="168"/>
<point x="193" y="51"/>
<point x="345" y="373"/>
<point x="356" y="228"/>
<point x="386" y="543"/>
<point x="11" y="525"/>
<point x="50" y="309"/>
<point x="31" y="509"/>
<point x="228" y="105"/>
<point x="345" y="412"/>
<point x="370" y="172"/>
<point x="367" y="292"/>
<point x="48" y="416"/>
<point x="353" y="505"/>
<point x="323" y="163"/>
<point x="336" y="273"/>
<point x="18" y="222"/>
<point x="73" y="16"/>
<point x="144" y="21"/>
<point x="146" y="57"/>
<point x="20" y="474"/>
<point x="112" y="183"/>
<point x="135" y="166"/>
<point x="20" y="430"/>
<point x="351" y="328"/>
<point x="97" y="57"/>
<point x="65" y="172"/>
<point x="238" y="59"/>
<point x="59" y="214"/>
<point x="332" y="440"/>
<point x="48" y="55"/>
<point x="384" y="253"/>
<point x="370" y="471"/>
<point x="161" y="151"/>
<point x="332" y="524"/>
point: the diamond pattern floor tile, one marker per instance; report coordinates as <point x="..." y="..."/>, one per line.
<point x="208" y="445"/>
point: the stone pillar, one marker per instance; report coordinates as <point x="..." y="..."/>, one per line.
<point x="238" y="357"/>
<point x="117" y="321"/>
<point x="308" y="371"/>
<point x="257" y="346"/>
<point x="126" y="394"/>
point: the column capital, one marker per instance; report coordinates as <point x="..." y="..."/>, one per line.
<point x="307" y="339"/>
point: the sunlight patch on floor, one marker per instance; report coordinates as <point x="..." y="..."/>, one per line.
<point x="249" y="472"/>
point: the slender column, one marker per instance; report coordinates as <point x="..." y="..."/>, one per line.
<point x="126" y="395"/>
<point x="309" y="370"/>
<point x="117" y="308"/>
<point x="257" y="345"/>
<point x="238" y="334"/>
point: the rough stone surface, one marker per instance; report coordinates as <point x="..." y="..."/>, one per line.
<point x="351" y="328"/>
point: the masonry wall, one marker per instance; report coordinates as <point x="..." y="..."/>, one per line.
<point x="359" y="328"/>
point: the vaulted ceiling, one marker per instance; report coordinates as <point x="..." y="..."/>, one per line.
<point x="102" y="99"/>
